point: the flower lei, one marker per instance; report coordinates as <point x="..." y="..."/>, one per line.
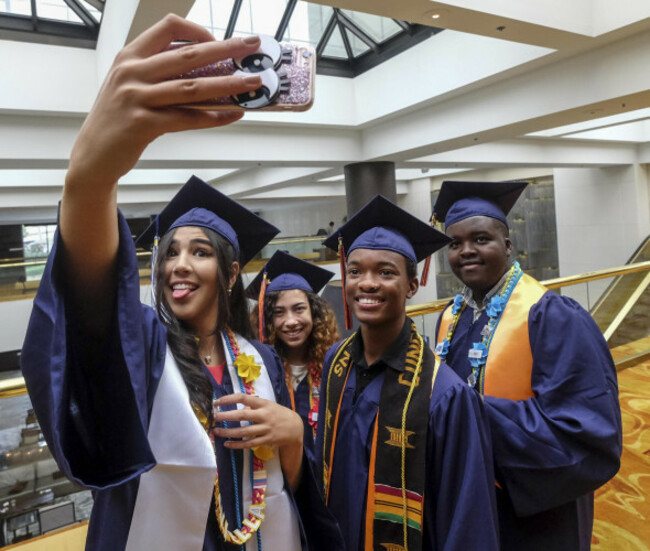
<point x="247" y="371"/>
<point x="478" y="354"/>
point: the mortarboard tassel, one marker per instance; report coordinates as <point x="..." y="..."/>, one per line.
<point x="260" y="306"/>
<point x="427" y="262"/>
<point x="425" y="271"/>
<point x="346" y="308"/>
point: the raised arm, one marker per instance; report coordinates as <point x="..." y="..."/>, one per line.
<point x="134" y="106"/>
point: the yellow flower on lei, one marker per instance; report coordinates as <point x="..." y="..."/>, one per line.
<point x="247" y="369"/>
<point x="263" y="453"/>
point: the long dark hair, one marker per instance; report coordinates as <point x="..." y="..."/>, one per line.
<point x="323" y="335"/>
<point x="232" y="312"/>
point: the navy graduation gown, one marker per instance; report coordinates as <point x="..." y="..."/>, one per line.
<point x="301" y="399"/>
<point x="459" y="507"/>
<point x="94" y="404"/>
<point x="552" y="450"/>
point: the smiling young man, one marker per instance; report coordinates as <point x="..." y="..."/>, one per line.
<point x="543" y="368"/>
<point x="402" y="443"/>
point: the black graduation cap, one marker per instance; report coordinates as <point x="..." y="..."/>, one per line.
<point x="460" y="200"/>
<point x="381" y="224"/>
<point x="199" y="204"/>
<point x="284" y="272"/>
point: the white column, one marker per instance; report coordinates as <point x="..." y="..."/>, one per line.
<point x="417" y="201"/>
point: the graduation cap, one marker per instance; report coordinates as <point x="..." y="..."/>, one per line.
<point x="199" y="204"/>
<point x="284" y="272"/>
<point x="382" y="225"/>
<point x="460" y="200"/>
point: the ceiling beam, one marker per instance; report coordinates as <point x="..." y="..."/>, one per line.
<point x="249" y="182"/>
<point x="606" y="80"/>
<point x="467" y="20"/>
<point x="531" y="152"/>
<point x="149" y="12"/>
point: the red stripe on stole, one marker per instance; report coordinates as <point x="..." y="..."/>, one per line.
<point x="397" y="492"/>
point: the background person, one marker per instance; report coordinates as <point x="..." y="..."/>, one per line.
<point x="543" y="368"/>
<point x="300" y="325"/>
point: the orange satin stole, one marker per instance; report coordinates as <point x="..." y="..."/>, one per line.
<point x="510" y="360"/>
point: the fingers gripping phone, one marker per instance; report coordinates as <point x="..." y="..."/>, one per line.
<point x="287" y="71"/>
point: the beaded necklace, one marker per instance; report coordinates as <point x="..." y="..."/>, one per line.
<point x="478" y="354"/>
<point x="247" y="372"/>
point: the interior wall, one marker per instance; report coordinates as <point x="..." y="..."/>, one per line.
<point x="598" y="223"/>
<point x="298" y="218"/>
<point x="42" y="79"/>
<point x="13" y="333"/>
<point x="597" y="218"/>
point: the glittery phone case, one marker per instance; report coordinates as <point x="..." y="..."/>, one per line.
<point x="287" y="82"/>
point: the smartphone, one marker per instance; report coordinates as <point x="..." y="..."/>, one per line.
<point x="287" y="71"/>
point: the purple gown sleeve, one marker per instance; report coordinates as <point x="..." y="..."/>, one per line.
<point x="566" y="440"/>
<point x="92" y="398"/>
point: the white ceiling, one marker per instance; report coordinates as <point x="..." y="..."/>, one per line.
<point x="562" y="84"/>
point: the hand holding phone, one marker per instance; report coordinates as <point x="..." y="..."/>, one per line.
<point x="287" y="73"/>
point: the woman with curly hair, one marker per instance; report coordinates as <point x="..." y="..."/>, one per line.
<point x="299" y="324"/>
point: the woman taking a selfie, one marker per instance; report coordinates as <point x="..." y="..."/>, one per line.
<point x="299" y="324"/>
<point x="173" y="416"/>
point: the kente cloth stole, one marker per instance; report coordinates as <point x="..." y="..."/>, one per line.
<point x="395" y="495"/>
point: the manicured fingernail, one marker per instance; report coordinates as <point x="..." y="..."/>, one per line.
<point x="252" y="80"/>
<point x="251" y="39"/>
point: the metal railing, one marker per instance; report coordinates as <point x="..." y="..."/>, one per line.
<point x="556" y="283"/>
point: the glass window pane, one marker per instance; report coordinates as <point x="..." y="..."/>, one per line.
<point x="16" y="7"/>
<point x="335" y="47"/>
<point x="358" y="46"/>
<point x="308" y="23"/>
<point x="37" y="243"/>
<point x="57" y="10"/>
<point x="48" y="9"/>
<point x="213" y="15"/>
<point x="260" y="16"/>
<point x="97" y="15"/>
<point x="378" y="28"/>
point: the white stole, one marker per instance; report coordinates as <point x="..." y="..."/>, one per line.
<point x="173" y="501"/>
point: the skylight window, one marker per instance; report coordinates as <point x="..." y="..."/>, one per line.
<point x="63" y="22"/>
<point x="347" y="43"/>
